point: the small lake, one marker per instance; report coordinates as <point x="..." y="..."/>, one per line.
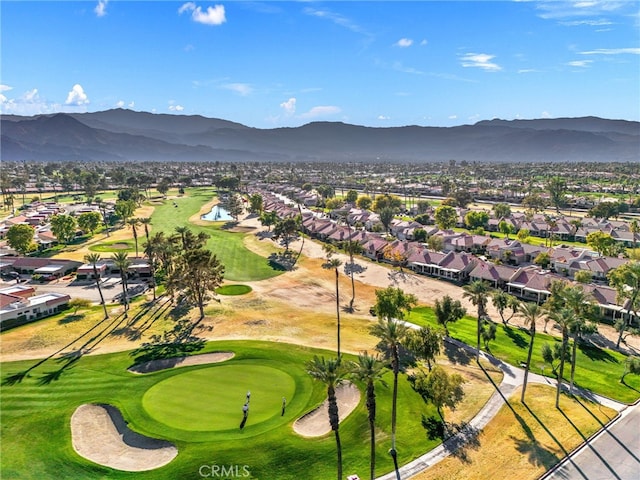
<point x="217" y="214"/>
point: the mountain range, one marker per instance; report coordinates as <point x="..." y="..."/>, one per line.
<point x="126" y="135"/>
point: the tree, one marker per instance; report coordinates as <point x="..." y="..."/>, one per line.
<point x="326" y="191"/>
<point x="534" y="202"/>
<point x="501" y="210"/>
<point x="334" y="203"/>
<point x="626" y="280"/>
<point x="475" y="219"/>
<point x="631" y="366"/>
<point x="122" y="262"/>
<point x="268" y="218"/>
<point x="448" y="311"/>
<point x="351" y="196"/>
<point x="435" y="242"/>
<point x="92" y="259"/>
<point x="446" y="217"/>
<point x="286" y="231"/>
<point x="563" y="318"/>
<point x="523" y="235"/>
<point x="256" y="203"/>
<point x="462" y="197"/>
<point x="133" y="222"/>
<point x="602" y="242"/>
<point x="89" y="221"/>
<point x="583" y="276"/>
<point x="234" y="206"/>
<point x="488" y="332"/>
<point x="551" y="355"/>
<point x="145" y="222"/>
<point x="386" y="217"/>
<point x="200" y="273"/>
<point x="531" y="313"/>
<point x="364" y="202"/>
<point x="369" y="369"/>
<point x="604" y="210"/>
<point x="423" y="206"/>
<point x="124" y="209"/>
<point x="63" y="227"/>
<point x="387" y="201"/>
<point x="332" y="374"/>
<point x="420" y="235"/>
<point x="163" y="187"/>
<point x="20" y="238"/>
<point x="502" y="300"/>
<point x="477" y="292"/>
<point x="352" y="248"/>
<point x="543" y="259"/>
<point x="505" y="228"/>
<point x="425" y="344"/>
<point x="439" y="388"/>
<point x="557" y="188"/>
<point x="78" y="303"/>
<point x="334" y="263"/>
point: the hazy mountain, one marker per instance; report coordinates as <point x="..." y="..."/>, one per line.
<point x="139" y="136"/>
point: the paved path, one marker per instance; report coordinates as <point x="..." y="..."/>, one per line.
<point x="614" y="453"/>
<point x="512" y="379"/>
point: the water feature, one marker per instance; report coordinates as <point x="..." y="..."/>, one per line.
<point x="217" y="214"/>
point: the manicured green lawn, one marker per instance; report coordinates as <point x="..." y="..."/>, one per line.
<point x="240" y="264"/>
<point x="233" y="290"/>
<point x="598" y="370"/>
<point x="36" y="439"/>
<point x="115" y="246"/>
<point x="204" y="406"/>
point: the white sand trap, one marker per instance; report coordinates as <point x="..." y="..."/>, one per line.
<point x="316" y="422"/>
<point x="163" y="364"/>
<point x="100" y="434"/>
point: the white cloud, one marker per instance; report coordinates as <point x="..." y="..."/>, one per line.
<point x="321" y="111"/>
<point x="580" y="63"/>
<point x="480" y="60"/>
<point x="403" y="43"/>
<point x="120" y="104"/>
<point x="29" y="103"/>
<point x="453" y="117"/>
<point x="590" y="23"/>
<point x="76" y="97"/>
<point x="5" y="88"/>
<point x="545" y="114"/>
<point x="558" y="10"/>
<point x="176" y="108"/>
<point x="383" y="117"/>
<point x="612" y="51"/>
<point x="212" y="16"/>
<point x="101" y="8"/>
<point x="242" y="89"/>
<point x="289" y="106"/>
<point x="337" y="19"/>
<point x="528" y="70"/>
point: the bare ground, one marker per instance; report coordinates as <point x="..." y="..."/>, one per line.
<point x="165" y="363"/>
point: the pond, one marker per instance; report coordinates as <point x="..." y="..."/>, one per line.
<point x="217" y="214"/>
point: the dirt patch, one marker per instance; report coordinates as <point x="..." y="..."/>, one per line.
<point x="100" y="434"/>
<point x="163" y="364"/>
<point x="119" y="246"/>
<point x="316" y="422"/>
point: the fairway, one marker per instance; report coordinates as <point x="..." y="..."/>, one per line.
<point x="211" y="399"/>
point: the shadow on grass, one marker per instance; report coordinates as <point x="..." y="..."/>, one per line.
<point x="181" y="340"/>
<point x="70" y="318"/>
<point x="596" y="353"/>
<point x="457" y="438"/>
<point x="516" y="336"/>
<point x="282" y="261"/>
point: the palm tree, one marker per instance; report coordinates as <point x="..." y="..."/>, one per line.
<point x="335" y="264"/>
<point x="352" y="248"/>
<point x="392" y="334"/>
<point x="93" y="258"/>
<point x="530" y="312"/>
<point x="145" y="221"/>
<point x="133" y="222"/>
<point x="580" y="302"/>
<point x="369" y="369"/>
<point x="478" y="292"/>
<point x="563" y="318"/>
<point x="332" y="374"/>
<point x="122" y="262"/>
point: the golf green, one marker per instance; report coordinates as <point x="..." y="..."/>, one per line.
<point x="211" y="399"/>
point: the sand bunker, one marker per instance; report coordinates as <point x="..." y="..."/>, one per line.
<point x="100" y="434"/>
<point x="316" y="422"/>
<point x="163" y="364"/>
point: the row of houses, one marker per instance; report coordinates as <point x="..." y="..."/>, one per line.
<point x="19" y="304"/>
<point x="455" y="264"/>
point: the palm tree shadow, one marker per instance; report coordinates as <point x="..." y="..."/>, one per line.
<point x="457" y="355"/>
<point x="457" y="438"/>
<point x="55" y="375"/>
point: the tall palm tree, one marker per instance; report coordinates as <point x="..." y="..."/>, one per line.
<point x="563" y="318"/>
<point x="122" y="262"/>
<point x="145" y="221"/>
<point x="332" y="374"/>
<point x="133" y="222"/>
<point x="531" y="313"/>
<point x="335" y="264"/>
<point x="392" y="334"/>
<point x="92" y="259"/>
<point x="580" y="302"/>
<point x="478" y="293"/>
<point x="370" y="370"/>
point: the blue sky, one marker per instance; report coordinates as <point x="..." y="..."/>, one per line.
<point x="270" y="64"/>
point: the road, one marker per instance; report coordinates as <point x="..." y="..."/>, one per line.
<point x="614" y="453"/>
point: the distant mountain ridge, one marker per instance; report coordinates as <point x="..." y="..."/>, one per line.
<point x="126" y="135"/>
